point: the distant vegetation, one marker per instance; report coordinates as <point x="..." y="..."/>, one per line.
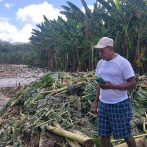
<point x="68" y="44"/>
<point x="18" y="43"/>
<point x="17" y="54"/>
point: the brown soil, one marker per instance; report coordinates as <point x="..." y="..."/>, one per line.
<point x="29" y="139"/>
<point x="52" y="140"/>
<point x="49" y="139"/>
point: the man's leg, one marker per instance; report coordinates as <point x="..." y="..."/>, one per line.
<point x="104" y="128"/>
<point x="130" y="141"/>
<point x="105" y="141"/>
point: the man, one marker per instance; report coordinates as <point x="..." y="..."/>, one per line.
<point x="114" y="109"/>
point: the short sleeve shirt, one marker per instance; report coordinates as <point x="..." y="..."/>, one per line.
<point x="117" y="71"/>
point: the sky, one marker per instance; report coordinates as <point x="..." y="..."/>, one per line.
<point x="19" y="17"/>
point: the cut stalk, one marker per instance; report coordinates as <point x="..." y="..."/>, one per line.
<point x="57" y="91"/>
<point x="49" y="120"/>
<point x="144" y="126"/>
<point x="70" y="142"/>
<point x="138" y="136"/>
<point x="140" y="142"/>
<point x="44" y="123"/>
<point x="41" y="140"/>
<point x="91" y="114"/>
<point x="61" y="93"/>
<point x="39" y="118"/>
<point x="18" y="98"/>
<point x="86" y="141"/>
<point x="39" y="111"/>
<point x="48" y="113"/>
<point x="26" y="101"/>
<point x="8" y="114"/>
<point x="36" y="97"/>
<point x="23" y="116"/>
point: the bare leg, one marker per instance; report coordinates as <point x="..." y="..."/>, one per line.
<point x="130" y="141"/>
<point x="105" y="141"/>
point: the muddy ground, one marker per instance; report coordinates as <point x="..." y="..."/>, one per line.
<point x="15" y="77"/>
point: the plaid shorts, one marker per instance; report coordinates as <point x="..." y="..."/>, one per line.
<point x="114" y="118"/>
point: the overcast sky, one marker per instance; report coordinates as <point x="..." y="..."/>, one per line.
<point x="18" y="17"/>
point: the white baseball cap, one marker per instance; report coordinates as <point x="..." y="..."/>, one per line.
<point x="103" y="42"/>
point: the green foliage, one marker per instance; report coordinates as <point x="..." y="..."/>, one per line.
<point x="17" y="54"/>
<point x="47" y="80"/>
<point x="39" y="85"/>
<point x="97" y="142"/>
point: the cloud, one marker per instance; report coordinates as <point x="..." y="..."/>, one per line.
<point x="24" y="34"/>
<point x="30" y="16"/>
<point x="12" y="34"/>
<point x="8" y="5"/>
<point x="33" y="14"/>
<point x="0" y="0"/>
<point x="4" y="19"/>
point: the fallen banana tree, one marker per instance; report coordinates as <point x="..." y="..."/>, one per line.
<point x="86" y="141"/>
<point x="70" y="142"/>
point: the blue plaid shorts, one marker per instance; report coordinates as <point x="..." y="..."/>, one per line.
<point x="115" y="118"/>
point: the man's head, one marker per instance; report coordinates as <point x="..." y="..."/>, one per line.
<point x="105" y="48"/>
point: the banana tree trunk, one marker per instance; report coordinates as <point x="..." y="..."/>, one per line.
<point x="92" y="42"/>
<point x="74" y="67"/>
<point x="86" y="141"/>
<point x="79" y="63"/>
<point x="92" y="58"/>
<point x="70" y="142"/>
<point x="127" y="50"/>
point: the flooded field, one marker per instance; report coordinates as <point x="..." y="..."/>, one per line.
<point x="14" y="78"/>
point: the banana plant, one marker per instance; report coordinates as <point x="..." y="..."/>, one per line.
<point x="120" y="16"/>
<point x="88" y="19"/>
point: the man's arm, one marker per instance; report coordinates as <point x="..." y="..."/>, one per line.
<point x="131" y="84"/>
<point x="97" y="100"/>
<point x="98" y="94"/>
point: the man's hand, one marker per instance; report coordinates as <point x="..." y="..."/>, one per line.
<point x="96" y="105"/>
<point x="109" y="85"/>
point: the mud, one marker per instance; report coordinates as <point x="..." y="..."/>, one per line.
<point x="15" y="77"/>
<point x="48" y="139"/>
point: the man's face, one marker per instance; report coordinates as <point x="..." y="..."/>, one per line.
<point x="104" y="53"/>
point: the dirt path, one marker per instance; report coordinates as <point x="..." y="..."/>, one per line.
<point x="15" y="77"/>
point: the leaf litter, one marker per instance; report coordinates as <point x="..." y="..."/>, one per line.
<point x="67" y="99"/>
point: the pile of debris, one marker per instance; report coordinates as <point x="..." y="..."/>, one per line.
<point x="59" y="104"/>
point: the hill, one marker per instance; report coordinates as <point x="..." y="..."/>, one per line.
<point x="17" y="43"/>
